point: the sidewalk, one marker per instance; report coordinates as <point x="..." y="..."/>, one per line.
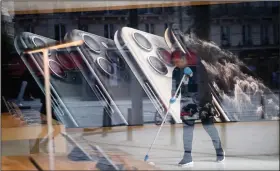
<point x="248" y="145"/>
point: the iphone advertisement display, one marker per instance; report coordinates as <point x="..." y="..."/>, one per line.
<point x="148" y="56"/>
<point x="107" y="73"/>
<point x="67" y="83"/>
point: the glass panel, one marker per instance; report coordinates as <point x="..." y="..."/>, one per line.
<point x="70" y="90"/>
<point x="109" y="91"/>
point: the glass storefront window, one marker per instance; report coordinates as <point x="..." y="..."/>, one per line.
<point x="114" y="67"/>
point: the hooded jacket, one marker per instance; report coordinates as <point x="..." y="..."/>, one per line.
<point x="204" y="92"/>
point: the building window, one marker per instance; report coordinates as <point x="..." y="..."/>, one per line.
<point x="59" y="31"/>
<point x="109" y="31"/>
<point x="276" y="33"/>
<point x="225" y="35"/>
<point x="247" y="35"/>
<point x="150" y="28"/>
<point x="29" y="28"/>
<point x="264" y="34"/>
<point x="83" y="27"/>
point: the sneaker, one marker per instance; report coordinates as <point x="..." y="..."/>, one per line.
<point x="186" y="161"/>
<point x="221" y="157"/>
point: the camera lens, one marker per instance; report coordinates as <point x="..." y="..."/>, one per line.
<point x="142" y="41"/>
<point x="165" y="56"/>
<point x="157" y="65"/>
<point x="91" y="43"/>
<point x="105" y="66"/>
<point x="56" y="69"/>
<point x="40" y="43"/>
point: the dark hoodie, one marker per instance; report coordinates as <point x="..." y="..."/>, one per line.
<point x="204" y="92"/>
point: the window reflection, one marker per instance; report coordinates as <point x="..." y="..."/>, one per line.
<point x="119" y="76"/>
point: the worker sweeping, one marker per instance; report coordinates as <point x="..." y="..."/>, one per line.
<point x="205" y="108"/>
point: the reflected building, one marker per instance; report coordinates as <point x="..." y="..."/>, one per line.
<point x="250" y="24"/>
<point x="103" y="23"/>
<point x="249" y="29"/>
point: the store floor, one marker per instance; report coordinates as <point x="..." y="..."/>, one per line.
<point x="248" y="145"/>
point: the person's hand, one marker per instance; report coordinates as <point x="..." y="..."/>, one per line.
<point x="172" y="100"/>
<point x="188" y="71"/>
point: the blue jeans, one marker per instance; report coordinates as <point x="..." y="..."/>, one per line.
<point x="209" y="127"/>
